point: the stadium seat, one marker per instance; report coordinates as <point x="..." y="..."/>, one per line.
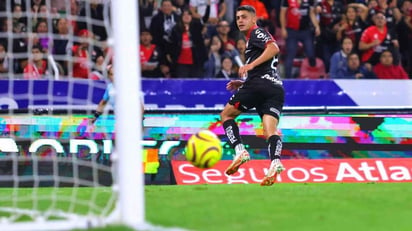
<point x="316" y="72"/>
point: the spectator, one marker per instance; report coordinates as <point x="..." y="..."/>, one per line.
<point x="338" y="61"/>
<point x="40" y="13"/>
<point x="355" y="70"/>
<point x="273" y="8"/>
<point x="404" y="31"/>
<point x="59" y="5"/>
<point x="18" y="17"/>
<point x="230" y="11"/>
<point x="99" y="65"/>
<point x="180" y="5"/>
<point x="42" y="35"/>
<point x="226" y="70"/>
<point x="4" y="61"/>
<point x="228" y="44"/>
<point x="212" y="65"/>
<point x="353" y="23"/>
<point x="20" y="47"/>
<point x="35" y="4"/>
<point x="62" y="44"/>
<point x="146" y="9"/>
<point x="376" y="39"/>
<point x="391" y="12"/>
<point x="6" y="27"/>
<point x="85" y="55"/>
<point x="163" y="22"/>
<point x="151" y="57"/>
<point x="217" y="10"/>
<point x="386" y="69"/>
<point x="95" y="12"/>
<point x="161" y="26"/>
<point x="37" y="66"/>
<point x="330" y="14"/>
<point x="74" y="14"/>
<point x="223" y="30"/>
<point x="188" y="50"/>
<point x="372" y="9"/>
<point x="295" y="21"/>
<point x="241" y="47"/>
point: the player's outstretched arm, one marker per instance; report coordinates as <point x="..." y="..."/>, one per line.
<point x="99" y="111"/>
<point x="234" y="84"/>
<point x="270" y="51"/>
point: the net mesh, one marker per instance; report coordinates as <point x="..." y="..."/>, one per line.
<point x="72" y="38"/>
<point x="53" y="61"/>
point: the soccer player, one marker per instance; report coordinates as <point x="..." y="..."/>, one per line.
<point x="109" y="97"/>
<point x="262" y="89"/>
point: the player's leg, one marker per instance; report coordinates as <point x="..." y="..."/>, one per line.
<point x="228" y="116"/>
<point x="270" y="111"/>
<point x="270" y="124"/>
<point x="274" y="148"/>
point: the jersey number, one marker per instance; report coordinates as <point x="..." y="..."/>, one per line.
<point x="274" y="63"/>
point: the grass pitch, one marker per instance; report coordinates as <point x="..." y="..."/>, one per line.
<point x="331" y="207"/>
<point x="323" y="206"/>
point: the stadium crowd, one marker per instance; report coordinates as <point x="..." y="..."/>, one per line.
<point x="353" y="39"/>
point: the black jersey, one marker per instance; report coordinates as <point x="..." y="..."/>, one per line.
<point x="257" y="41"/>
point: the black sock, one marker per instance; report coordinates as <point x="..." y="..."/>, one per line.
<point x="232" y="132"/>
<point x="275" y="147"/>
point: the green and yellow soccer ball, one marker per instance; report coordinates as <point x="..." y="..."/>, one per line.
<point x="203" y="149"/>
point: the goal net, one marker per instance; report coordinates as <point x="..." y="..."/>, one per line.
<point x="59" y="170"/>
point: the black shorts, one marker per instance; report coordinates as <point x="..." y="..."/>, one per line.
<point x="266" y="97"/>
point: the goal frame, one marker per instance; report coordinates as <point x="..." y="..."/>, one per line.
<point x="128" y="112"/>
<point x="127" y="159"/>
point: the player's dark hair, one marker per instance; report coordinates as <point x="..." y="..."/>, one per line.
<point x="247" y="8"/>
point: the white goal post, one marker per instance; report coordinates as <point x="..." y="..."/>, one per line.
<point x="23" y="206"/>
<point x="128" y="112"/>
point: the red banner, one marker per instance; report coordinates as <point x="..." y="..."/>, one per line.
<point x="299" y="171"/>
